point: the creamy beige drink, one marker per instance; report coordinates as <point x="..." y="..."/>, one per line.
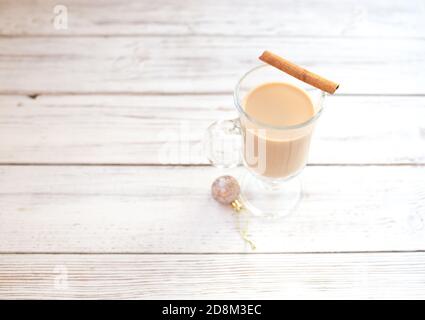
<point x="270" y="150"/>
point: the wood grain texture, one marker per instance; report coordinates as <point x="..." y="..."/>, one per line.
<point x="169" y="209"/>
<point x="382" y="18"/>
<point x="289" y="276"/>
<point x="169" y="129"/>
<point x="201" y="64"/>
<point x="127" y="79"/>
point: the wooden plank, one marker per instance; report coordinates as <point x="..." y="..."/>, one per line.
<point x="383" y="18"/>
<point x="276" y="276"/>
<point x="167" y="209"/>
<point x="201" y="64"/>
<point x="108" y="129"/>
<point x="169" y="129"/>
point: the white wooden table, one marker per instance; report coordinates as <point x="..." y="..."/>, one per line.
<point x="88" y="208"/>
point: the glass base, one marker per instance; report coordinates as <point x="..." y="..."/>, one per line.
<point x="268" y="198"/>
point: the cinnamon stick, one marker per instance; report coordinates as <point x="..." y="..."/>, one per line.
<point x="299" y="72"/>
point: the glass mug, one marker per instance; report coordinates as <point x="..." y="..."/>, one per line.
<point x="272" y="155"/>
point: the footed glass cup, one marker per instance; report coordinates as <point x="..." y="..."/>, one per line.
<point x="272" y="155"/>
